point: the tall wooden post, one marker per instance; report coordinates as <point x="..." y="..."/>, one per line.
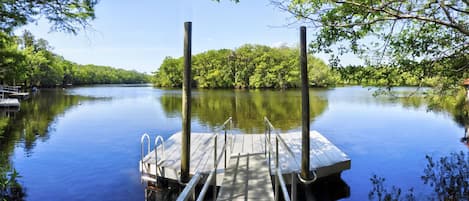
<point x="305" y="173"/>
<point x="186" y="104"/>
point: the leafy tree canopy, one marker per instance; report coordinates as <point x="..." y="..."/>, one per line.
<point x="394" y="32"/>
<point x="29" y="61"/>
<point x="249" y="66"/>
<point x="64" y="15"/>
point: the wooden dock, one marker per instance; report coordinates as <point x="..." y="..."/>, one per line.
<point x="247" y="178"/>
<point x="13" y="92"/>
<point x="325" y="158"/>
<point x="21" y="95"/>
<point x="9" y="102"/>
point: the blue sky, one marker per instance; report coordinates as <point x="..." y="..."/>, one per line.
<point x="138" y="34"/>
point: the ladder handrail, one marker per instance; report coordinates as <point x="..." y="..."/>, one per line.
<point x="146" y="137"/>
<point x="159" y="139"/>
<point x="279" y="180"/>
<point x="213" y="173"/>
<point x="142" y="150"/>
<point x="189" y="189"/>
<point x="283" y="143"/>
<point x="229" y="122"/>
<point x="142" y="140"/>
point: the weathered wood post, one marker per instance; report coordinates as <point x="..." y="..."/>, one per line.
<point x="305" y="173"/>
<point x="186" y="104"/>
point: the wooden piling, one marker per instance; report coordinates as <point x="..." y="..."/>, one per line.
<point x="305" y="172"/>
<point x="186" y="104"/>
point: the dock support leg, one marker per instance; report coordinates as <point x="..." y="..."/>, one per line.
<point x="186" y="104"/>
<point x="293" y="187"/>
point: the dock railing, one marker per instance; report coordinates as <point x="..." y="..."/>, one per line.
<point x="189" y="190"/>
<point x="279" y="180"/>
<point x="6" y="88"/>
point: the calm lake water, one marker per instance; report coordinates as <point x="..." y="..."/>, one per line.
<point x="84" y="143"/>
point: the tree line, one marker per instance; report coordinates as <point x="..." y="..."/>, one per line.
<point x="27" y="61"/>
<point x="259" y="66"/>
<point x="382" y="76"/>
<point x="249" y="66"/>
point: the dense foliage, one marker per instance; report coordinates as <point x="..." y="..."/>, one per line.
<point x="256" y="66"/>
<point x="383" y="76"/>
<point x="64" y="15"/>
<point x="30" y="62"/>
<point x="36" y="65"/>
<point x="432" y="37"/>
<point x="249" y="66"/>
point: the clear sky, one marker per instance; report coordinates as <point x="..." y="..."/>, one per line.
<point x="138" y="34"/>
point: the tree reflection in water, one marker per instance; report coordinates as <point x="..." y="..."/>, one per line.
<point x="32" y="122"/>
<point x="448" y="177"/>
<point x="248" y="108"/>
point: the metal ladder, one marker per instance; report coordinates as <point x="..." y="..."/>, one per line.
<point x="145" y="166"/>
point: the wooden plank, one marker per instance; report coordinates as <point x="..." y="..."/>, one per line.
<point x="290" y="163"/>
<point x="173" y="149"/>
<point x="327" y="151"/>
<point x="247" y="178"/>
<point x="317" y="153"/>
<point x="247" y="143"/>
<point x="238" y="144"/>
<point x="294" y="142"/>
<point x="258" y="143"/>
<point x="202" y="153"/>
<point x="208" y="166"/>
<point x="196" y="142"/>
<point x="334" y="153"/>
<point x="337" y="160"/>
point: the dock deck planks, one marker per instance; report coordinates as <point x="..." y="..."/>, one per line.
<point x="325" y="157"/>
<point x="247" y="178"/>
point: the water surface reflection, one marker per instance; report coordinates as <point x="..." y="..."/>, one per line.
<point x="83" y="143"/>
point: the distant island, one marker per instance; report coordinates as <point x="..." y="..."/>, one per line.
<point x="259" y="66"/>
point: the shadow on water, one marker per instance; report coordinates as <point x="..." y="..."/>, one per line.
<point x="248" y="108"/>
<point x="24" y="127"/>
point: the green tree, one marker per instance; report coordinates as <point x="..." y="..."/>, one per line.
<point x="10" y="59"/>
<point x="249" y="66"/>
<point x="432" y="36"/>
<point x="169" y="73"/>
<point x="64" y="15"/>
